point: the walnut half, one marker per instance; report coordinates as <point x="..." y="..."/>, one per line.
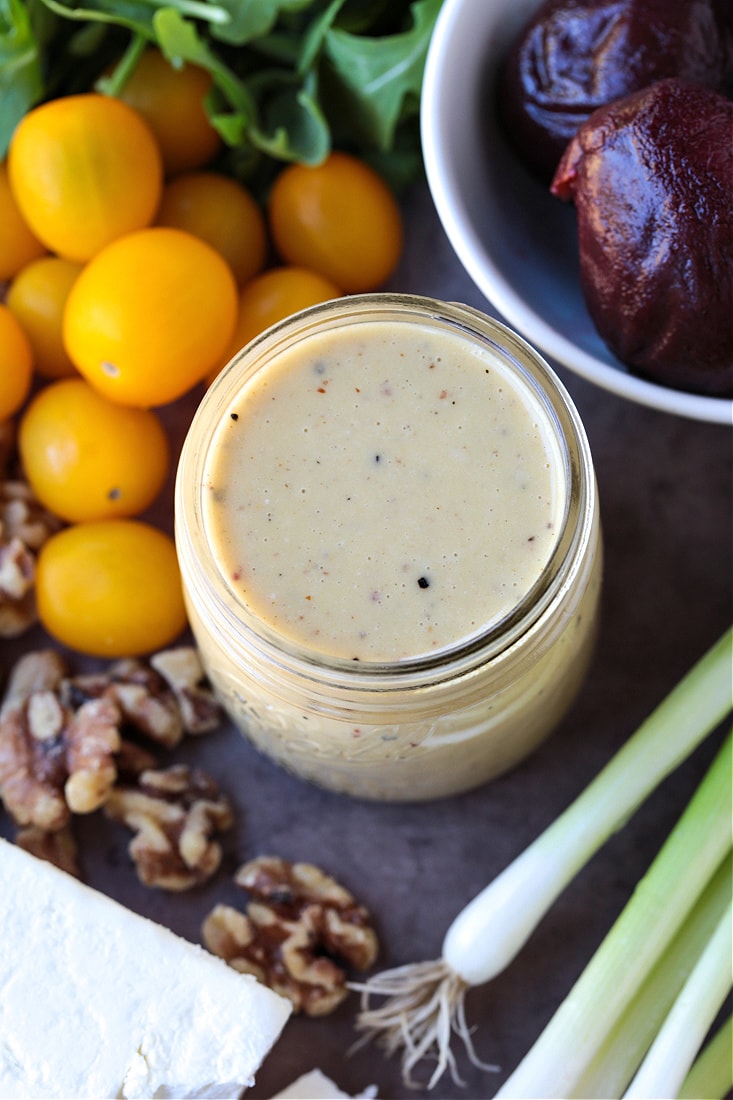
<point x="299" y="934"/>
<point x="163" y="698"/>
<point x="24" y="527"/>
<point x="175" y="813"/>
<point x="54" y="760"/>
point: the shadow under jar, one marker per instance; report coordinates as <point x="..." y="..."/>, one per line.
<point x="388" y="532"/>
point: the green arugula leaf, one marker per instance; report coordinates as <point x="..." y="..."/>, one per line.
<point x="377" y="81"/>
<point x="128" y="13"/>
<point x="315" y="36"/>
<point x="253" y="20"/>
<point x="374" y="16"/>
<point x="274" y="112"/>
<point x="21" y="77"/>
<point x="138" y="15"/>
<point x="294" y="127"/>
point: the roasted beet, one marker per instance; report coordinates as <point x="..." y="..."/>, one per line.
<point x="578" y="55"/>
<point x="651" y="176"/>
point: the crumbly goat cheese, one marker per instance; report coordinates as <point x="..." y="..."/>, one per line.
<point x="100" y="1002"/>
<point x="316" y="1086"/>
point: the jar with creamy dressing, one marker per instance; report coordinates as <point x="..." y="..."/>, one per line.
<point x="388" y="532"/>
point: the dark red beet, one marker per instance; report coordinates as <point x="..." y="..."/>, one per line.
<point x="651" y="176"/>
<point x="578" y="55"/>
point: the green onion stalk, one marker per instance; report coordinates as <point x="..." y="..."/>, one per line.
<point x="712" y="1073"/>
<point x="655" y="913"/>
<point x="628" y="1040"/>
<point x="423" y="1009"/>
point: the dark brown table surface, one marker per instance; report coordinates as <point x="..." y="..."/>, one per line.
<point x="665" y="491"/>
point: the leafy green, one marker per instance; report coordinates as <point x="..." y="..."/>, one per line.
<point x="291" y="78"/>
<point x="21" y="79"/>
<point x="379" y="78"/>
<point x="249" y="22"/>
<point x="273" y="110"/>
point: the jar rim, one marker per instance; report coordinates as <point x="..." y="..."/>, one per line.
<point x="233" y="619"/>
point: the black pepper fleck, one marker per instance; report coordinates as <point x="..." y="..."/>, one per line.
<point x="423" y="582"/>
<point x="234" y="416"/>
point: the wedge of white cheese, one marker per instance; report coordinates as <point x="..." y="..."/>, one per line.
<point x="96" y="1001"/>
<point x="316" y="1086"/>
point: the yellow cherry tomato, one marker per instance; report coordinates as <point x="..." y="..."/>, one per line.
<point x="87" y="457"/>
<point x="16" y="364"/>
<point x="18" y="245"/>
<point x="37" y="296"/>
<point x="171" y="99"/>
<point x="338" y="218"/>
<point x="84" y="170"/>
<point x="111" y="588"/>
<point x="273" y="296"/>
<point x="150" y="316"/>
<point x="221" y="212"/>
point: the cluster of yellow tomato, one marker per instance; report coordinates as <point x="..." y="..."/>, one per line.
<point x="134" y="272"/>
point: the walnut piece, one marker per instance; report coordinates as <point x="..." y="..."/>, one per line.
<point x="132" y="760"/>
<point x="58" y="847"/>
<point x="175" y="813"/>
<point x="63" y="739"/>
<point x="182" y="670"/>
<point x="24" y="527"/>
<point x="163" y="698"/>
<point x="23" y="517"/>
<point x="143" y="698"/>
<point x="54" y="760"/>
<point x="299" y="934"/>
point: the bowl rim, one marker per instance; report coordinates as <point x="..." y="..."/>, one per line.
<point x="489" y="278"/>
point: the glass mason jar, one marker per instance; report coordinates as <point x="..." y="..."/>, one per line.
<point x="432" y="719"/>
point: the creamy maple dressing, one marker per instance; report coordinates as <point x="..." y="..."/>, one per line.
<point x="364" y="489"/>
<point x="382" y="491"/>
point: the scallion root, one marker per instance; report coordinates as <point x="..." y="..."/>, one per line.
<point x="423" y="1010"/>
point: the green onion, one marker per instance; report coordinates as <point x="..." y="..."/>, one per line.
<point x="662" y="901"/>
<point x="711" y="1077"/>
<point x="673" y="1051"/>
<point x="424" y="1006"/>
<point x="628" y="1040"/>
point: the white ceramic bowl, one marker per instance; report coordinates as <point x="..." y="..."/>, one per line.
<point x="517" y="242"/>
